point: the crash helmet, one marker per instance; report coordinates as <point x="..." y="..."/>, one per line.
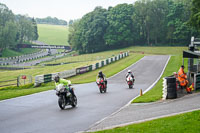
<point x="129" y="71"/>
<point x="100" y="72"/>
<point x="57" y="78"/>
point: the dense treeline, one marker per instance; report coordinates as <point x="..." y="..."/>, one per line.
<point x="15" y="28"/>
<point x="50" y="20"/>
<point x="195" y="15"/>
<point x="146" y="22"/>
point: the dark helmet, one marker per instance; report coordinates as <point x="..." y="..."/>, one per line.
<point x="182" y="66"/>
<point x="57" y="78"/>
<point x="100" y="72"/>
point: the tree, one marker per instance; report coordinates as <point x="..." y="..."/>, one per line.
<point x="35" y="30"/>
<point x="195" y="15"/>
<point x="8" y="28"/>
<point x="87" y="35"/>
<point x="119" y="32"/>
<point x="71" y="22"/>
<point x="50" y="20"/>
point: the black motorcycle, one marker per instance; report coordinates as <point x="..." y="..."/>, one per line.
<point x="65" y="97"/>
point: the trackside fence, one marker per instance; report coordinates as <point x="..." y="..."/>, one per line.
<point x="69" y="73"/>
<point x="8" y="83"/>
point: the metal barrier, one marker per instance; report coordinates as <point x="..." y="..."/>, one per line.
<point x="10" y="83"/>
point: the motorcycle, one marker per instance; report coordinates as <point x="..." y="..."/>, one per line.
<point x="65" y="97"/>
<point x="101" y="84"/>
<point x="130" y="81"/>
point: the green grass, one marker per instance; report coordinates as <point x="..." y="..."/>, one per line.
<point x="11" y="53"/>
<point x="53" y="34"/>
<point x="12" y="92"/>
<point x="183" y="123"/>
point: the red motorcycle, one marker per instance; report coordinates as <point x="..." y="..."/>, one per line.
<point x="130" y="81"/>
<point x="101" y="84"/>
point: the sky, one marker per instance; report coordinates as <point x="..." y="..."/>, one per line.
<point x="62" y="9"/>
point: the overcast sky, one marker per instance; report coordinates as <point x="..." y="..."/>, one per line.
<point x="62" y="9"/>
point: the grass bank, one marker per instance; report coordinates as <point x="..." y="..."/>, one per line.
<point x="183" y="123"/>
<point x="12" y="53"/>
<point x="53" y="34"/>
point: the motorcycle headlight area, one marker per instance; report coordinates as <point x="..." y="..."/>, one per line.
<point x="60" y="88"/>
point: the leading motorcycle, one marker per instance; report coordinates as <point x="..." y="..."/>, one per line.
<point x="130" y="81"/>
<point x="65" y="97"/>
<point x="101" y="84"/>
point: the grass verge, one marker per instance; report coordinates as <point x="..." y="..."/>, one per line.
<point x="11" y="53"/>
<point x="53" y="34"/>
<point x="183" y="123"/>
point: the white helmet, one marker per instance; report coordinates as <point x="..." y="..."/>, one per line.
<point x="129" y="71"/>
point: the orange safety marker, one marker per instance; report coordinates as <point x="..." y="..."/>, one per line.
<point x="141" y="92"/>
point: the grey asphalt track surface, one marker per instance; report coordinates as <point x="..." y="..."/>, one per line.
<point x="39" y="113"/>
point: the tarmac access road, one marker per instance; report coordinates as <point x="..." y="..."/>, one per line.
<point x="39" y="113"/>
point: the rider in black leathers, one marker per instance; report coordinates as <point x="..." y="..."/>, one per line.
<point x="101" y="75"/>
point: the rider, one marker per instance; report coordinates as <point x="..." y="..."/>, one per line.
<point x="101" y="75"/>
<point x="65" y="82"/>
<point x="131" y="74"/>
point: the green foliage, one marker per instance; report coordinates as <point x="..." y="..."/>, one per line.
<point x="146" y="22"/>
<point x="50" y="20"/>
<point x="15" y="29"/>
<point x="120" y="29"/>
<point x="8" y="27"/>
<point x="195" y="15"/>
<point x="35" y="29"/>
<point x="86" y="36"/>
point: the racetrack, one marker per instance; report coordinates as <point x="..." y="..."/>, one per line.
<point x="39" y="113"/>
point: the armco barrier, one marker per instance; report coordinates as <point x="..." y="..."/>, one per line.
<point x="82" y="70"/>
<point x="65" y="74"/>
<point x="49" y="77"/>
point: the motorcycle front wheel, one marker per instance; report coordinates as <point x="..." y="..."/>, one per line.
<point x="100" y="89"/>
<point x="130" y="86"/>
<point x="61" y="103"/>
<point x="74" y="101"/>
